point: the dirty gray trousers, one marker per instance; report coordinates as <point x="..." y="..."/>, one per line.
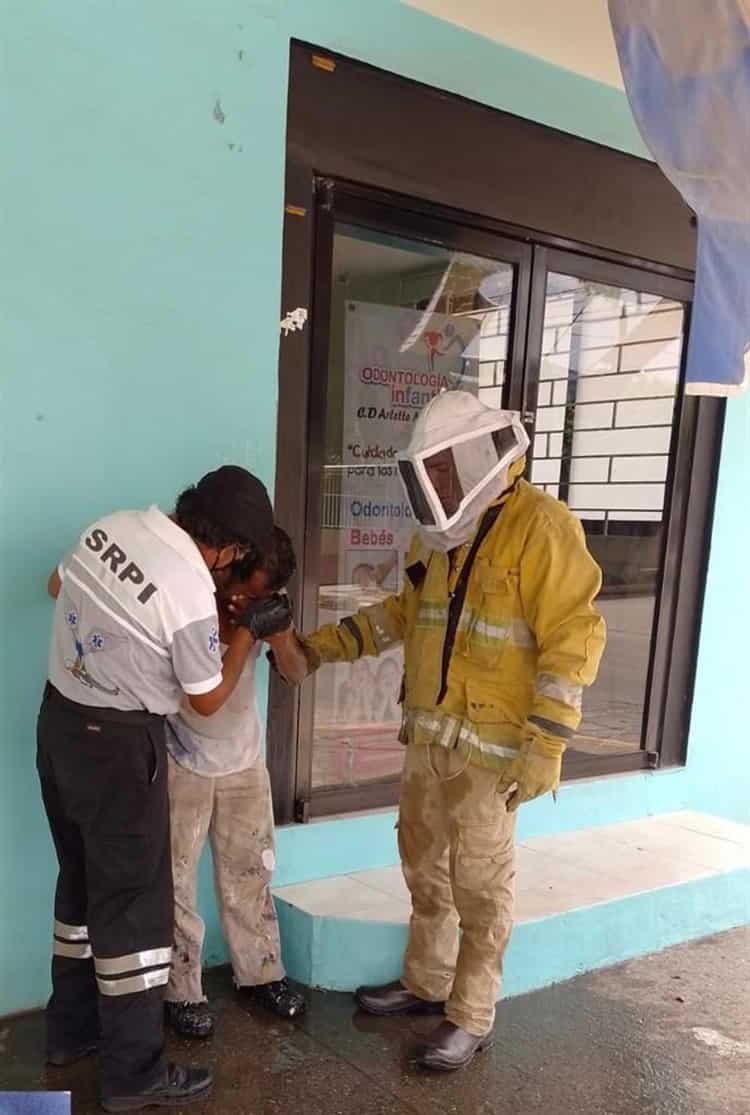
<point x="236" y="813"/>
<point x="456" y="839"/>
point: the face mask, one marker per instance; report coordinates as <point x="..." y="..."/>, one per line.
<point x="242" y="568"/>
<point x="223" y="573"/>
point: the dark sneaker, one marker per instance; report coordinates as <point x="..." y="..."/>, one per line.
<point x="278" y="997"/>
<point x="62" y="1057"/>
<point x="181" y="1086"/>
<point x="189" y="1020"/>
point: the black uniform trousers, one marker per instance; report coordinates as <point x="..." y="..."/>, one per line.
<point x="104" y="784"/>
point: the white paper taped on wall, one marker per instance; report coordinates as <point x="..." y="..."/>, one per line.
<point x="293" y="321"/>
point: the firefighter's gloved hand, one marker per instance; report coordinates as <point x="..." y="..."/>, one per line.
<point x="267" y="617"/>
<point x="536" y="771"/>
<point x="311" y="653"/>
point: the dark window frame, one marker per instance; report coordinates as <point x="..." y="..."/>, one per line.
<point x="337" y="204"/>
<point x="693" y="462"/>
<point x="330" y="126"/>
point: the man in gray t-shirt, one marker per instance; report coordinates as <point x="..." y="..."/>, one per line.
<point x="218" y="786"/>
<point x="135" y="633"/>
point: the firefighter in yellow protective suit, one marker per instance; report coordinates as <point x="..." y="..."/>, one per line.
<point x="500" y="636"/>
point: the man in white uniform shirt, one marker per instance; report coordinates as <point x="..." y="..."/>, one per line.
<point x="219" y="787"/>
<point x="135" y="628"/>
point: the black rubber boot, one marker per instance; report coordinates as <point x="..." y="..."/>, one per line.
<point x="190" y="1020"/>
<point x="278" y="997"/>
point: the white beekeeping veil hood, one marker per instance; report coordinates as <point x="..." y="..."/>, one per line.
<point x="457" y="464"/>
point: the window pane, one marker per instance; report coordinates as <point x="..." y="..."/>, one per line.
<point x="407" y="318"/>
<point x="609" y="377"/>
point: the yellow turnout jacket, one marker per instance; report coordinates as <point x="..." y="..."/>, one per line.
<point x="487" y="658"/>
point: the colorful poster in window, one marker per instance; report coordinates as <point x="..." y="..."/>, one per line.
<point x="396" y="360"/>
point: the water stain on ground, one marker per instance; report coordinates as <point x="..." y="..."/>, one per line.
<point x="615" y="1042"/>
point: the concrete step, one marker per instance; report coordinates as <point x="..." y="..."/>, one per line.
<point x="585" y="900"/>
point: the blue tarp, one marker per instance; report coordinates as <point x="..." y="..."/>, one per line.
<point x="34" y="1103"/>
<point x="686" y="66"/>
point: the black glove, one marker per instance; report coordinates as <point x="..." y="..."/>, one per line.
<point x="267" y="617"/>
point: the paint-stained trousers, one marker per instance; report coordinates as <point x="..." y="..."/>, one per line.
<point x="104" y="784"/>
<point x="235" y="812"/>
<point x="456" y="845"/>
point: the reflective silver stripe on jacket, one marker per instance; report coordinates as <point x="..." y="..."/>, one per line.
<point x="470" y="736"/>
<point x="432" y="615"/>
<point x="517" y="632"/>
<point x="448" y="729"/>
<point x="559" y="689"/>
<point x="444" y="729"/>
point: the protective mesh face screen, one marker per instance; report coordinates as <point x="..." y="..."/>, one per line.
<point x="444" y="481"/>
<point x="505" y="440"/>
<point x="417" y="498"/>
<point x="476" y="460"/>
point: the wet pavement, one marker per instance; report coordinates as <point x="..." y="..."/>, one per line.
<point x="662" y="1035"/>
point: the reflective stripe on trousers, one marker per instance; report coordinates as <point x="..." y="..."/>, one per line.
<point x="71" y="941"/>
<point x="136" y="971"/>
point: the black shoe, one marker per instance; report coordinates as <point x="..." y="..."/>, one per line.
<point x="277" y="997"/>
<point x="451" y="1048"/>
<point x="190" y="1020"/>
<point x="393" y="998"/>
<point x="181" y="1086"/>
<point x="62" y="1057"/>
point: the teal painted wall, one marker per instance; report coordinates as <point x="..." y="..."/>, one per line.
<point x="140" y="287"/>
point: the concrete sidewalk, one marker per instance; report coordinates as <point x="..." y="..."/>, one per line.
<point x="667" y="1034"/>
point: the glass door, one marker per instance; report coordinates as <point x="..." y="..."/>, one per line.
<point x="604" y="374"/>
<point x="409" y="307"/>
<point x="408" y="303"/>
